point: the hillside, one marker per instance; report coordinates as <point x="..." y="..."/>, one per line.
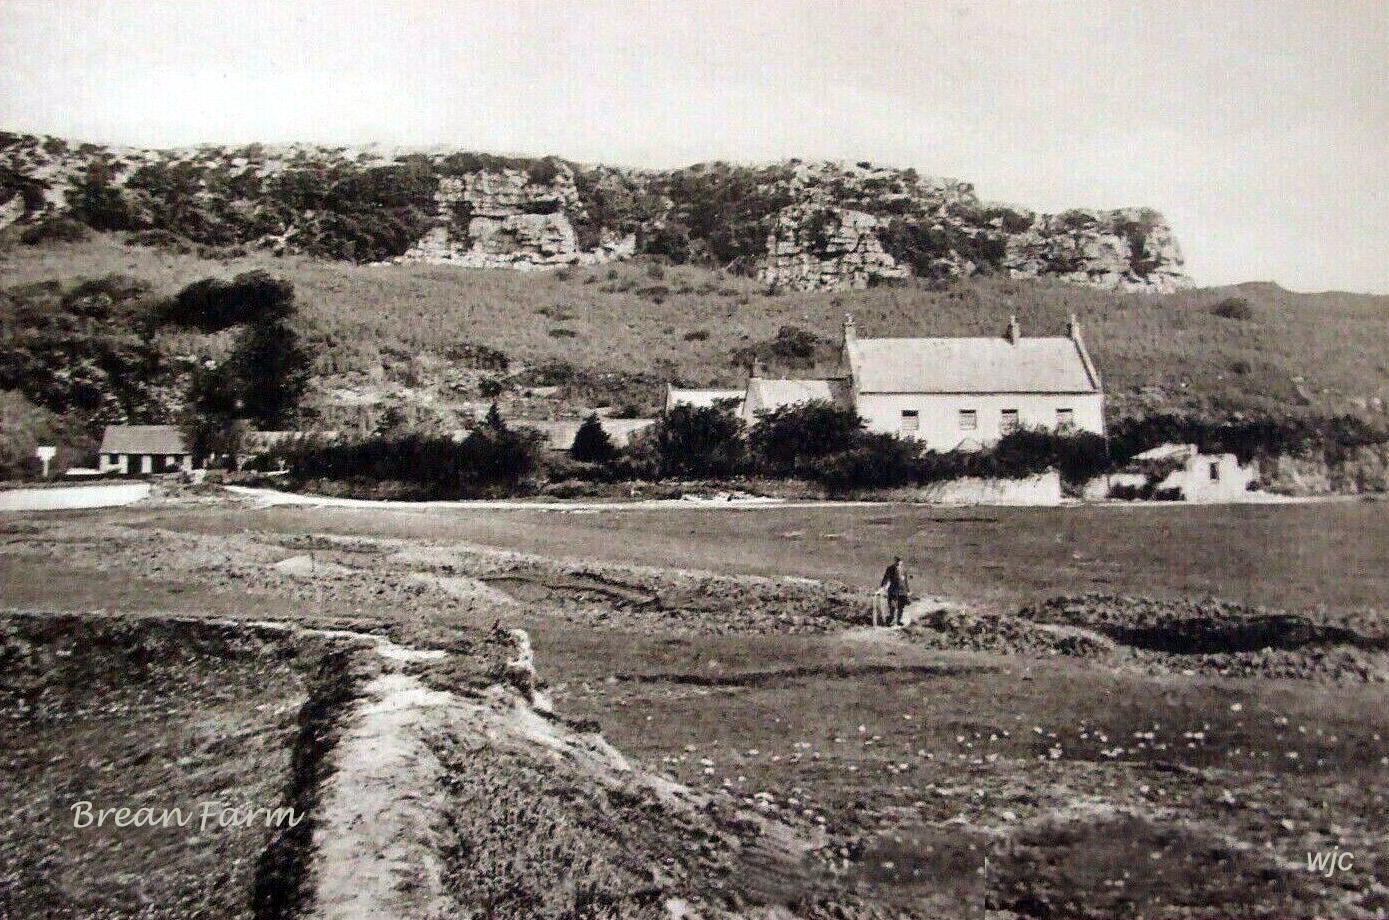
<point x="793" y="225"/>
<point x="441" y="340"/>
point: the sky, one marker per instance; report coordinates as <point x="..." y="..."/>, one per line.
<point x="1259" y="128"/>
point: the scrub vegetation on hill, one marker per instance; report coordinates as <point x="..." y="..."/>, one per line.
<point x="1320" y="351"/>
<point x="427" y="339"/>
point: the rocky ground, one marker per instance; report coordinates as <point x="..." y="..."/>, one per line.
<point x="763" y="753"/>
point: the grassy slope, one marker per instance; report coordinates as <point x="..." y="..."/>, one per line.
<point x="1153" y="351"/>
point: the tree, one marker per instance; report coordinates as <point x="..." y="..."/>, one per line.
<point x="213" y="304"/>
<point x="494" y="420"/>
<point x="700" y="441"/>
<point x="211" y="420"/>
<point x="274" y="372"/>
<point x="591" y="442"/>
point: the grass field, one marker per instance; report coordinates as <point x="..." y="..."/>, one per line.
<point x="1322" y="350"/>
<point x="1094" y="791"/>
<point x="1289" y="556"/>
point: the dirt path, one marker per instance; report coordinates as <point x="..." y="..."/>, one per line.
<point x="268" y="498"/>
<point x="70" y="498"/>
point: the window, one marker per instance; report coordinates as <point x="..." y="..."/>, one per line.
<point x="969" y="419"/>
<point x="1010" y="420"/>
<point x="911" y="420"/>
<point x="1215" y="472"/>
<point x="1065" y="419"/>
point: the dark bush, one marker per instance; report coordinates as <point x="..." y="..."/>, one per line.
<point x="479" y="357"/>
<point x="1077" y="456"/>
<point x="1247" y="438"/>
<point x="592" y="444"/>
<point x="213" y="304"/>
<point x="489" y="461"/>
<point x="273" y="368"/>
<point x="160" y="239"/>
<point x="54" y="230"/>
<point x="1233" y="308"/>
<point x="700" y="442"/>
<point x="791" y="347"/>
<point x="875" y="461"/>
<point x="792" y="439"/>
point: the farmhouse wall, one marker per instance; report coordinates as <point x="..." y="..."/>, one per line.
<point x="939" y="420"/>
<point x="1044" y="489"/>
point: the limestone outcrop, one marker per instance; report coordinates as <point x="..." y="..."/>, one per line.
<point x="796" y="225"/>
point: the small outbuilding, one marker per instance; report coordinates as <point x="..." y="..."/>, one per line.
<point x="135" y="450"/>
<point x="1178" y="471"/>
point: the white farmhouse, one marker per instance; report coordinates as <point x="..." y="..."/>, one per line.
<point x="950" y="393"/>
<point x="962" y="393"/>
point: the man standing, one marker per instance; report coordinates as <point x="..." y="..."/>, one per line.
<point x="895" y="581"/>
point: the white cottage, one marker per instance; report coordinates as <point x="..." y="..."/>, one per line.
<point x="962" y="393"/>
<point x="143" y="449"/>
<point x="950" y="393"/>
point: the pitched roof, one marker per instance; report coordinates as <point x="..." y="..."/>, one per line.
<point x="559" y="435"/>
<point x="143" y="439"/>
<point x="700" y="398"/>
<point x="1052" y="364"/>
<point x="766" y="394"/>
<point x="1167" y="451"/>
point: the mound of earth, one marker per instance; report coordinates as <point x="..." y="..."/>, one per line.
<point x="1219" y="637"/>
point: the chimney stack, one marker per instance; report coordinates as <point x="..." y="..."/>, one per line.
<point x="1073" y="328"/>
<point x="850" y="333"/>
<point x="1014" y="333"/>
<point x="755" y="371"/>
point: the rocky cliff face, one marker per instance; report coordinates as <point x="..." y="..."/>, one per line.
<point x="796" y="225"/>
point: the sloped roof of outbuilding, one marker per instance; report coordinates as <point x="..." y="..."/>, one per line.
<point x="143" y="439"/>
<point x="559" y="435"/>
<point x="1049" y="364"/>
<point x="701" y="398"/>
<point x="767" y="393"/>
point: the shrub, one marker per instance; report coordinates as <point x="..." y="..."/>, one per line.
<point x="491" y="460"/>
<point x="160" y="239"/>
<point x="55" y="230"/>
<point x="791" y="347"/>
<point x="793" y="438"/>
<point x="479" y="357"/>
<point x="876" y="461"/>
<point x="697" y="335"/>
<point x="1233" y="308"/>
<point x="591" y="442"/>
<point x="1028" y="451"/>
<point x="274" y="372"/>
<point x="700" y="442"/>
